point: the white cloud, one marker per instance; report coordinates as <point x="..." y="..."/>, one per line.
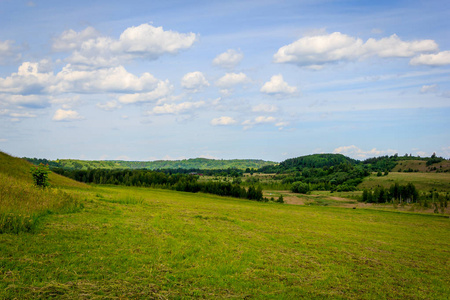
<point x="71" y="40"/>
<point x="66" y="115"/>
<point x="223" y="121"/>
<point x="228" y="59"/>
<point x="258" y="120"/>
<point x="115" y="79"/>
<point x="28" y="80"/>
<point x="194" y="81"/>
<point x="163" y="89"/>
<point x="355" y="152"/>
<point x="176" y="108"/>
<point x="277" y="86"/>
<point x="137" y="42"/>
<point x="393" y="46"/>
<point x="232" y="79"/>
<point x="316" y="51"/>
<point x="22" y="115"/>
<point x="8" y="52"/>
<point x="429" y="88"/>
<point x="438" y="59"/>
<point x="265" y="108"/>
<point x="109" y="106"/>
<point x="281" y="125"/>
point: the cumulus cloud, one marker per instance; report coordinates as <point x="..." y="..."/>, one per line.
<point x="438" y="59"/>
<point x="70" y="39"/>
<point x="355" y="152"/>
<point x="267" y="108"/>
<point x="8" y="52"/>
<point x="115" y="79"/>
<point x="194" y="81"/>
<point x="29" y="79"/>
<point x="137" y="42"/>
<point x="109" y="106"/>
<point x="66" y="115"/>
<point x="176" y="108"/>
<point x="258" y="120"/>
<point x="228" y="59"/>
<point x="163" y="89"/>
<point x="223" y="121"/>
<point x="316" y="51"/>
<point x="277" y="86"/>
<point x="231" y="79"/>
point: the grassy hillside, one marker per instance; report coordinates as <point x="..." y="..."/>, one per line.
<point x="159" y="244"/>
<point x="421" y="166"/>
<point x="422" y="181"/>
<point x="22" y="205"/>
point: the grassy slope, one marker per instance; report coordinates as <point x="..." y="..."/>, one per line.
<point x="422" y="181"/>
<point x="421" y="165"/>
<point x="22" y="205"/>
<point x="146" y="243"/>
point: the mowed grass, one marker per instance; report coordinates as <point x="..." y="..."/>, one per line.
<point x="160" y="244"/>
<point x="422" y="181"/>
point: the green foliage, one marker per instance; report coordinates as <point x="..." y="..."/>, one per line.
<point x="399" y="193"/>
<point x="40" y="175"/>
<point x="310" y="161"/>
<point x="434" y="159"/>
<point x="280" y="199"/>
<point x="300" y="187"/>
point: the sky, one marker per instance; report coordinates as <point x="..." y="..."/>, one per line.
<point x="271" y="80"/>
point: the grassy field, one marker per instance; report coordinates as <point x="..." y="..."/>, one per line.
<point x="422" y="181"/>
<point x="147" y="243"/>
<point x="110" y="242"/>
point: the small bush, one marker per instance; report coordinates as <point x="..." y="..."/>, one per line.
<point x="300" y="187"/>
<point x="40" y="175"/>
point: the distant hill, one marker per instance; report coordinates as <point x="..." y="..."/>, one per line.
<point x="310" y="161"/>
<point x="421" y="166"/>
<point x="193" y="163"/>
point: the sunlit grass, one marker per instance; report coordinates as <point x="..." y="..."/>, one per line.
<point x="175" y="245"/>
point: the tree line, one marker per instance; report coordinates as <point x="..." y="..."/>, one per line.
<point x="405" y="194"/>
<point x="176" y="181"/>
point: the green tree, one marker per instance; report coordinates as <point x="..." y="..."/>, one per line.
<point x="300" y="187"/>
<point x="280" y="199"/>
<point x="40" y="175"/>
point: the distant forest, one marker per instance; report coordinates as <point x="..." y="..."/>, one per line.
<point x="180" y="165"/>
<point x="327" y="172"/>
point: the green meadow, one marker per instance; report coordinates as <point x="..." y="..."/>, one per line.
<point x="116" y="242"/>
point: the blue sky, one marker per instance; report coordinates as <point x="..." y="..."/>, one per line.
<point x="148" y="80"/>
